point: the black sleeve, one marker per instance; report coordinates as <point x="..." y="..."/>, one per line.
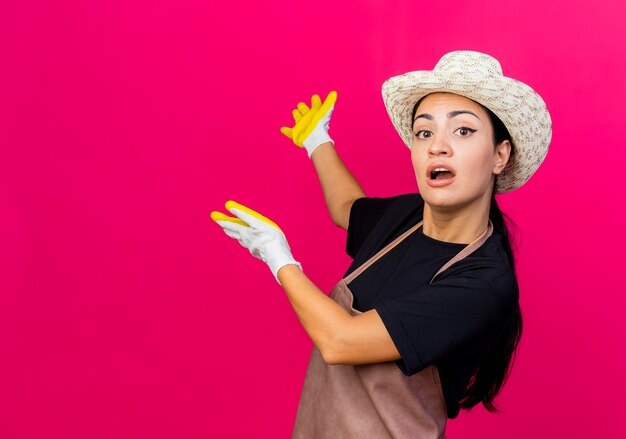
<point x="437" y="319"/>
<point x="364" y="214"/>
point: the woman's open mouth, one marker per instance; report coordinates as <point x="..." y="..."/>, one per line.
<point x="439" y="175"/>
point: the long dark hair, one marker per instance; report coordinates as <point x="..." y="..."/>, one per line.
<point x="496" y="364"/>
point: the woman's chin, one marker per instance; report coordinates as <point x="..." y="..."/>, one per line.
<point x="439" y="197"/>
<point x="442" y="205"/>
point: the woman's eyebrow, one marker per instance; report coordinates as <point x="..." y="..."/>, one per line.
<point x="450" y="115"/>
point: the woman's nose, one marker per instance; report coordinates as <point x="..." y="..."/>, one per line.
<point x="439" y="145"/>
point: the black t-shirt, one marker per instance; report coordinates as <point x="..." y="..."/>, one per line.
<point x="448" y="323"/>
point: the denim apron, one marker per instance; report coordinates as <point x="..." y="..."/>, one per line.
<point x="375" y="400"/>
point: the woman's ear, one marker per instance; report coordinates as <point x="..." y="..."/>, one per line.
<point x="502" y="154"/>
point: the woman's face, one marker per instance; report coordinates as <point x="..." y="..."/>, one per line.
<point x="454" y="132"/>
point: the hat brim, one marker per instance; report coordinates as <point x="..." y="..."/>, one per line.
<point x="518" y="106"/>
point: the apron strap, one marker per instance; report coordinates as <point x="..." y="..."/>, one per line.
<point x="469" y="249"/>
<point x="381" y="253"/>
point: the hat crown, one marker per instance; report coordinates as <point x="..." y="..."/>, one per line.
<point x="468" y="61"/>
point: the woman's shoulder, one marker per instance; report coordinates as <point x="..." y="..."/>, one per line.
<point x="489" y="266"/>
<point x="410" y="200"/>
<point x="390" y="212"/>
<point x="405" y="201"/>
<point x="495" y="269"/>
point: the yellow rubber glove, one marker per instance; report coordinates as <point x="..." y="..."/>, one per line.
<point x="259" y="234"/>
<point x="311" y="128"/>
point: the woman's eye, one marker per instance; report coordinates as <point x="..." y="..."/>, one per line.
<point x="465" y="131"/>
<point x="422" y="134"/>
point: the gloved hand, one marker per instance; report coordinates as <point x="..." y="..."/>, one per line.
<point x="260" y="235"/>
<point x="311" y="128"/>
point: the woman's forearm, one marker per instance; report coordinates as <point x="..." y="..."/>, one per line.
<point x="322" y="318"/>
<point x="338" y="184"/>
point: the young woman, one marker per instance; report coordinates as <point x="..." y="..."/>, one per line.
<point x="430" y="321"/>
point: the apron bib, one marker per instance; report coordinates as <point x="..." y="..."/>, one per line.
<point x="372" y="400"/>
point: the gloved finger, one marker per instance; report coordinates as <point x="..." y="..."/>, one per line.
<point x="233" y="227"/>
<point x="316" y="102"/>
<point x="303" y="108"/>
<point x="296" y="133"/>
<point x="219" y="216"/>
<point x="234" y="234"/>
<point x="287" y="132"/>
<point x="249" y="216"/>
<point x="240" y="239"/>
<point x="329" y="101"/>
<point x="304" y="127"/>
<point x="296" y="115"/>
<point x="308" y="128"/>
<point x="237" y="231"/>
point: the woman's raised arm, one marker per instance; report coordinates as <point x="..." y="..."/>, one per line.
<point x="338" y="184"/>
<point x="311" y="132"/>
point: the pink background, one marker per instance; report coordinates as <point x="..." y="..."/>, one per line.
<point x="128" y="313"/>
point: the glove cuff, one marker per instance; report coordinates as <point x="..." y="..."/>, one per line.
<point x="315" y="140"/>
<point x="279" y="266"/>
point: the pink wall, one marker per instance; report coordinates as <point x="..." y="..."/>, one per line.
<point x="131" y="314"/>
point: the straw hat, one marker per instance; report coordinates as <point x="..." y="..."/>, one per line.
<point x="478" y="76"/>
